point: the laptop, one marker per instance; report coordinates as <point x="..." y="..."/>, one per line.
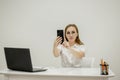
<point x="19" y="59"/>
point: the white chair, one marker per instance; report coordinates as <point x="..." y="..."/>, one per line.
<point x="87" y="62"/>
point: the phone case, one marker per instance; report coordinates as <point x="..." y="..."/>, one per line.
<point x="60" y="33"/>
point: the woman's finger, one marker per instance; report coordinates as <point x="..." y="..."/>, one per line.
<point x="59" y="39"/>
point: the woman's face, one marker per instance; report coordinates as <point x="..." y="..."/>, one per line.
<point x="71" y="34"/>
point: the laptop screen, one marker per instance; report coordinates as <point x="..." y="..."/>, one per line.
<point x="18" y="59"/>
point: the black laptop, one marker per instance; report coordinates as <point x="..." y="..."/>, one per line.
<point x="19" y="59"/>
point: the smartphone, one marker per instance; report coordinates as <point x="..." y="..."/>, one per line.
<point x="60" y="34"/>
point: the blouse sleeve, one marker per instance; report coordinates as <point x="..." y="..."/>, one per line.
<point x="82" y="48"/>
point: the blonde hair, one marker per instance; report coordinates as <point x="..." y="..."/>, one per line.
<point x="77" y="38"/>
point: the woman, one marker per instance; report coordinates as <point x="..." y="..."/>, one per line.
<point x="72" y="49"/>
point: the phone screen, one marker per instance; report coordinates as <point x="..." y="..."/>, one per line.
<point x="60" y="33"/>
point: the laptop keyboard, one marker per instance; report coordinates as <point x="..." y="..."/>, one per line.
<point x="39" y="69"/>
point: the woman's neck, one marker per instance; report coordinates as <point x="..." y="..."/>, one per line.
<point x="71" y="43"/>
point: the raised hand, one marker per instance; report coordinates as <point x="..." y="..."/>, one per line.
<point x="65" y="43"/>
<point x="57" y="41"/>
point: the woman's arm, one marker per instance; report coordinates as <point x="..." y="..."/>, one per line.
<point x="77" y="54"/>
<point x="56" y="51"/>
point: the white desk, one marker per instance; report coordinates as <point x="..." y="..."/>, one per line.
<point x="58" y="74"/>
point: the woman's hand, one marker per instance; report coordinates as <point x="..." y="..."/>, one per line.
<point x="57" y="41"/>
<point x="66" y="44"/>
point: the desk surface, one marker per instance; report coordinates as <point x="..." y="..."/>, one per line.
<point x="74" y="72"/>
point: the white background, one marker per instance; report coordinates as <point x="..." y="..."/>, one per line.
<point x="33" y="24"/>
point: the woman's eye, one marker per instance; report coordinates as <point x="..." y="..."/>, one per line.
<point x="68" y="32"/>
<point x="73" y="32"/>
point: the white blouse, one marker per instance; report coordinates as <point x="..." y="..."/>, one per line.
<point x="67" y="59"/>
